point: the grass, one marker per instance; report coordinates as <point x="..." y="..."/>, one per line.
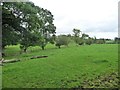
<point x="66" y="67"/>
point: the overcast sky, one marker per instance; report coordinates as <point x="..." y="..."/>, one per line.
<point x="94" y="17"/>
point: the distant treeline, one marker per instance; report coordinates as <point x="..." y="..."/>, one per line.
<point x="82" y="39"/>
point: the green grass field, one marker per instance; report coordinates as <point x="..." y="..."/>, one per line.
<point x="66" y="67"/>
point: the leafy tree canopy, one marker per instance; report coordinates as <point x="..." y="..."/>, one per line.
<point x="25" y="23"/>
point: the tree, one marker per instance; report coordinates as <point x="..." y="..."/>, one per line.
<point x="76" y="35"/>
<point x="10" y="26"/>
<point x="15" y="19"/>
<point x="94" y="39"/>
<point x="62" y="40"/>
<point x="52" y="39"/>
<point x="27" y="24"/>
<point x="76" y="32"/>
<point x="85" y="36"/>
<point x="89" y="41"/>
<point x="80" y="41"/>
<point x="117" y="40"/>
<point x="100" y="41"/>
<point x="47" y="27"/>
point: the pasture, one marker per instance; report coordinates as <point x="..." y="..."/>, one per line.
<point x="67" y="67"/>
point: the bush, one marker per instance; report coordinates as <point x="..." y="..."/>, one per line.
<point x="62" y="40"/>
<point x="78" y="40"/>
<point x="110" y="42"/>
<point x="88" y="42"/>
<point x="100" y="41"/>
<point x="81" y="42"/>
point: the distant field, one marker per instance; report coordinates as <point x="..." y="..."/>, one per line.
<point x="66" y="67"/>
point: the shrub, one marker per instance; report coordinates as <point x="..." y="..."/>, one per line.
<point x="88" y="42"/>
<point x="81" y="42"/>
<point x="62" y="40"/>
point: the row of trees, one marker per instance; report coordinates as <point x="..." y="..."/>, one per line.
<point x="83" y="39"/>
<point x="26" y="24"/>
<point x="77" y="37"/>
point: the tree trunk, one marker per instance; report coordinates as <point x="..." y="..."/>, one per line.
<point x="43" y="48"/>
<point x="3" y="54"/>
<point x="25" y="50"/>
<point x="59" y="47"/>
<point x="11" y="61"/>
<point x="3" y="46"/>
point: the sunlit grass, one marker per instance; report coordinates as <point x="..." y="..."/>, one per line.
<point x="65" y="67"/>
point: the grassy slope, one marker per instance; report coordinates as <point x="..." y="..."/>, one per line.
<point x="65" y="67"/>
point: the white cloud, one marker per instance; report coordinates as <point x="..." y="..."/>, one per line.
<point x="91" y="16"/>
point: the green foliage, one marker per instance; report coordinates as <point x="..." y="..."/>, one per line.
<point x="85" y="36"/>
<point x="76" y="32"/>
<point x="52" y="39"/>
<point x="10" y="25"/>
<point x="100" y="41"/>
<point x="62" y="40"/>
<point x="81" y="42"/>
<point x="76" y="38"/>
<point x="117" y="40"/>
<point x="84" y="39"/>
<point x="43" y="43"/>
<point x="27" y="24"/>
<point x="89" y="41"/>
<point x="11" y="39"/>
<point x="29" y="39"/>
<point x="110" y="42"/>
